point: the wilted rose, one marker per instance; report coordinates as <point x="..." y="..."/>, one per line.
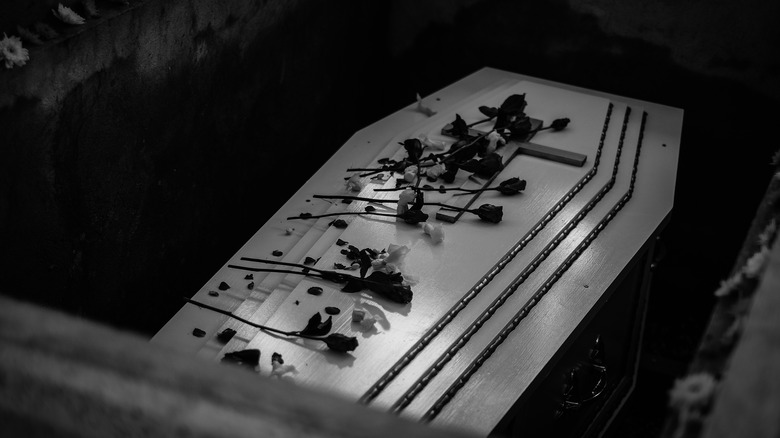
<point x="490" y="213"/>
<point x="559" y="124"/>
<point x="341" y="343"/>
<point x="512" y="186"/>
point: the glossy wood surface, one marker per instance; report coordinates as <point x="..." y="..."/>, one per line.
<point x="448" y="272"/>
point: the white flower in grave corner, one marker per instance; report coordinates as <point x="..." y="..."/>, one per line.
<point x="67" y="16"/>
<point x="355" y="183"/>
<point x="495" y="140"/>
<point x="692" y="391"/>
<point x="435" y="231"/>
<point x="728" y="285"/>
<point x="12" y="52"/>
<point x="756" y="263"/>
<point x="765" y="237"/>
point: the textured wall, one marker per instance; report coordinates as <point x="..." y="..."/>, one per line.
<point x="737" y="40"/>
<point x="140" y="150"/>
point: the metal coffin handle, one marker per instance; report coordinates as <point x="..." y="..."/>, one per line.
<point x="573" y="396"/>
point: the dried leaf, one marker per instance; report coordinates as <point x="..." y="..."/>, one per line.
<point x="250" y="357"/>
<point x="317" y="327"/>
<point x="226" y="335"/>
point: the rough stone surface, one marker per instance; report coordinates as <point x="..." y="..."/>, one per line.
<point x="139" y="151"/>
<point x="141" y="148"/>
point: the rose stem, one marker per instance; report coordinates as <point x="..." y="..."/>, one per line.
<point x="445" y="154"/>
<point x="355" y="198"/>
<point x="274" y="262"/>
<point x="245" y="321"/>
<point x="343" y="275"/>
<point x="356" y="213"/>
<point x="450" y="207"/>
<point x="480" y="122"/>
<point x="283" y="271"/>
<point x="434" y="189"/>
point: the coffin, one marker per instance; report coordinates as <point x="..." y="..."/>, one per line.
<point x="529" y="325"/>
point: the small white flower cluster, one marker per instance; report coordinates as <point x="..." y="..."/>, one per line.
<point x="410" y="174"/>
<point x="495" y="140"/>
<point x="422" y="108"/>
<point x="436" y="170"/>
<point x="692" y="391"/>
<point x="391" y="260"/>
<point x="407" y="197"/>
<point x="355" y="183"/>
<point x="12" y="52"/>
<point x="754" y="265"/>
<point x="435" y="231"/>
<point x="689" y="396"/>
<point x="404" y="199"/>
<point x="279" y="369"/>
<point x="766" y="236"/>
<point x="67" y="16"/>
<point x="364" y="318"/>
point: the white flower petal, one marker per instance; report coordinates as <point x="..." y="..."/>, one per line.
<point x="67" y="16"/>
<point x="692" y="391"/>
<point x="756" y="263"/>
<point x="12" y="51"/>
<point x="355" y="183"/>
<point x="437" y="145"/>
<point x="406" y="196"/>
<point x="396" y="253"/>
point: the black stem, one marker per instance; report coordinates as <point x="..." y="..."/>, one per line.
<point x="474" y="191"/>
<point x="480" y="121"/>
<point x="245" y="321"/>
<point x="449" y="207"/>
<point x="355" y="213"/>
<point x="275" y="262"/>
<point x="280" y="271"/>
<point x="355" y="198"/>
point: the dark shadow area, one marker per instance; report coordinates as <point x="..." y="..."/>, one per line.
<point x="155" y="185"/>
<point x="723" y="170"/>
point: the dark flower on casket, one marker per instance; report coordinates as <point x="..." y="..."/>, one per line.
<point x="341" y="343"/>
<point x="414" y="148"/>
<point x="488" y="111"/>
<point x="459" y="127"/>
<point x="513" y="105"/>
<point x="413" y="216"/>
<point x="512" y="186"/>
<point x="559" y="124"/>
<point x="389" y="286"/>
<point x="316" y="326"/>
<point x="249" y="358"/>
<point x="511" y="115"/>
<point x="490" y="213"/>
<point x="484" y="167"/>
<point x="449" y="175"/>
